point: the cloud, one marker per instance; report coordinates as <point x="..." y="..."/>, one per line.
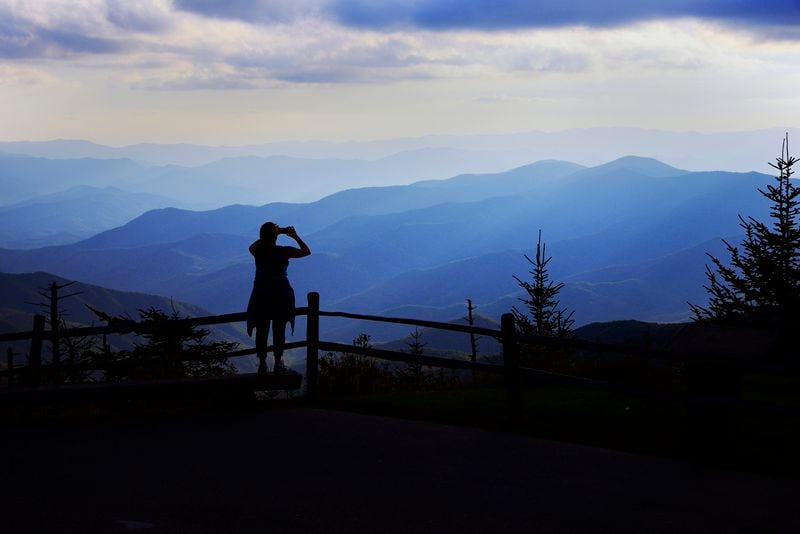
<point x="146" y="17"/>
<point x="509" y="14"/>
<point x="260" y="11"/>
<point x="26" y="43"/>
<point x="256" y="44"/>
<point x="782" y="16"/>
<point x="51" y="30"/>
<point x="332" y="41"/>
<point x="316" y="54"/>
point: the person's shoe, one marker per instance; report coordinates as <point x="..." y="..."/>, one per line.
<point x="262" y="369"/>
<point x="280" y="368"/>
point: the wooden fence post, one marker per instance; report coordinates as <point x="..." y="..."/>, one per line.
<point x="312" y="345"/>
<point x="35" y="356"/>
<point x="10" y="366"/>
<point x="510" y="363"/>
<point x="55" y="343"/>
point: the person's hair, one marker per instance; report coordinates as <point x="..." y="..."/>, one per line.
<point x="267" y="231"/>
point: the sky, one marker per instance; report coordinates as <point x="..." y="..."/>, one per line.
<point x="251" y="71"/>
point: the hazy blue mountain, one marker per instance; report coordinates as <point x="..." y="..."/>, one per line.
<point x="483" y="279"/>
<point x="603" y="218"/>
<point x="137" y="268"/>
<point x="172" y="224"/>
<point x="71" y="215"/>
<point x="680" y="211"/>
<point x="439" y="160"/>
<point x="618" y="212"/>
<point x="638" y="164"/>
<point x="733" y="151"/>
<point x="473" y="186"/>
<point x="243" y="179"/>
<point x="282" y="178"/>
<point x="628" y="237"/>
<point x="22" y="178"/>
<point x="18" y="291"/>
<point x="61" y="149"/>
<point x="162" y="226"/>
<point x="462" y="188"/>
<point x="32" y="242"/>
<point x="653" y="290"/>
<point x="228" y="289"/>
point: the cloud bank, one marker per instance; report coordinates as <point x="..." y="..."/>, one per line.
<point x="321" y="61"/>
<point x="500" y="14"/>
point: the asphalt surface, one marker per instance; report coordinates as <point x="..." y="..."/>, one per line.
<point x="309" y="470"/>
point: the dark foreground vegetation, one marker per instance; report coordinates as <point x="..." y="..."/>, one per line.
<point x="745" y="438"/>
<point x="751" y="421"/>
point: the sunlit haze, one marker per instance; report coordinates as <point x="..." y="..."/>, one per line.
<point x="120" y="72"/>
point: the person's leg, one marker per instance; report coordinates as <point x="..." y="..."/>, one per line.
<point x="262" y="337"/>
<point x="278" y="340"/>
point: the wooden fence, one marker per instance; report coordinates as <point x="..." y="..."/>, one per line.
<point x="710" y="384"/>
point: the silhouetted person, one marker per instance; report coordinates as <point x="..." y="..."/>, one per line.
<point x="272" y="299"/>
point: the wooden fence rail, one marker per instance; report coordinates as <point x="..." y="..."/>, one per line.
<point x="31" y="371"/>
<point x="404" y="357"/>
<point x="453" y="327"/>
<point x="510" y="339"/>
<point x="130" y="326"/>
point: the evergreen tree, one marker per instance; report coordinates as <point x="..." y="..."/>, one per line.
<point x="170" y="349"/>
<point x="414" y="371"/>
<point x="760" y="286"/>
<point x="545" y="316"/>
<point x="416" y="346"/>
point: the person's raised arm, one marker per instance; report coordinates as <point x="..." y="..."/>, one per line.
<point x="297" y="252"/>
<point x="254" y="248"/>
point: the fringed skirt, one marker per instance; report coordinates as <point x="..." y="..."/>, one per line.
<point x="271" y="298"/>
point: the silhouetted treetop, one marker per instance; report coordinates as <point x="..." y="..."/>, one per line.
<point x="760" y="285"/>
<point x="546" y="316"/>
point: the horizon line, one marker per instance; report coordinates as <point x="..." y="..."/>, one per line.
<point x="399" y="138"/>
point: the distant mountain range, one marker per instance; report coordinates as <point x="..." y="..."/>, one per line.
<point x="453" y="154"/>
<point x="72" y="215"/>
<point x="206" y="177"/>
<point x="242" y="179"/>
<point x="23" y="178"/>
<point x="628" y="237"/>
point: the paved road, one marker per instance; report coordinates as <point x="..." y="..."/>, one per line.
<point x="308" y="470"/>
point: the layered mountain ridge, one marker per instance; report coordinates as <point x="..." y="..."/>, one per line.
<point x="628" y="237"/>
